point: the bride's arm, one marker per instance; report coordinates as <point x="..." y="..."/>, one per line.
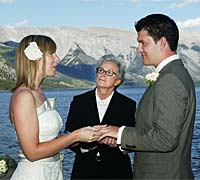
<point x="25" y="119"/>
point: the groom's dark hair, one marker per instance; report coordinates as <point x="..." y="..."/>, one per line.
<point x="160" y="25"/>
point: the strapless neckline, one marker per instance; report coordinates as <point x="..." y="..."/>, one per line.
<point x="45" y="106"/>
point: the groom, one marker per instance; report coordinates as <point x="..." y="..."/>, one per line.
<point x="165" y="115"/>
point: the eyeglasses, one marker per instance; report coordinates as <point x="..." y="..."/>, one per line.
<point x="108" y="72"/>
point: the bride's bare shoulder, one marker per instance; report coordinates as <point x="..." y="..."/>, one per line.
<point x="22" y="94"/>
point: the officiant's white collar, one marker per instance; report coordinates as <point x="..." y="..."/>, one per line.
<point x="166" y="61"/>
<point x="107" y="100"/>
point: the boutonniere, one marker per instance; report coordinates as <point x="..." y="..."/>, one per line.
<point x="7" y="166"/>
<point x="151" y="77"/>
<point x="3" y="165"/>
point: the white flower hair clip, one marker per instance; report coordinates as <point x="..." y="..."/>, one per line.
<point x="151" y="77"/>
<point x="33" y="52"/>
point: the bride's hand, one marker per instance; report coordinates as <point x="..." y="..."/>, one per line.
<point x="88" y="134"/>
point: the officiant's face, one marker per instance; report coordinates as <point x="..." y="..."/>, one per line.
<point x="106" y="76"/>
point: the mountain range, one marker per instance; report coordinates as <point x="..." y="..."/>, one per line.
<point x="80" y="49"/>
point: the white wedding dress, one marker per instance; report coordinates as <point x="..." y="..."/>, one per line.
<point x="50" y="124"/>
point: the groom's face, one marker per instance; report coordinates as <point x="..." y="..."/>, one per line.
<point x="148" y="49"/>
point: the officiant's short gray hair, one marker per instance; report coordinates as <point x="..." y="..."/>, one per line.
<point x="115" y="60"/>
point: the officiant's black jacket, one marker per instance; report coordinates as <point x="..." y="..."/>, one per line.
<point x="112" y="164"/>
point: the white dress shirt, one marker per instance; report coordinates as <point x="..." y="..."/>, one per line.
<point x="102" y="104"/>
<point x="166" y="61"/>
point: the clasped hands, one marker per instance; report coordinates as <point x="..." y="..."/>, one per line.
<point x="104" y="134"/>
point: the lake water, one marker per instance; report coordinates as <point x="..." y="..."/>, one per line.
<point x="9" y="144"/>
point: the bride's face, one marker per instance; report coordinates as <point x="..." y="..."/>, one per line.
<point x="51" y="62"/>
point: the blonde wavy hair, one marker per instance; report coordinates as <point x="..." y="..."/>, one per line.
<point x="25" y="68"/>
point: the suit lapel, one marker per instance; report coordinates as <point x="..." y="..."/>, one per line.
<point x="147" y="93"/>
<point x="143" y="97"/>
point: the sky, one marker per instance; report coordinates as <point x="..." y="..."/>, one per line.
<point x="119" y="14"/>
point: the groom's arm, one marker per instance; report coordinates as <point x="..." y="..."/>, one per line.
<point x="162" y="135"/>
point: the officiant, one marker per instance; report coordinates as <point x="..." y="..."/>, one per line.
<point x="102" y="105"/>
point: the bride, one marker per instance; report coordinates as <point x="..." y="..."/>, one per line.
<point x="36" y="122"/>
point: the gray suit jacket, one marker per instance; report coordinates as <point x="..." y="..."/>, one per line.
<point x="164" y="126"/>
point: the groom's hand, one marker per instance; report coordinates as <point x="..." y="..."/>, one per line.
<point x="109" y="141"/>
<point x="109" y="131"/>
